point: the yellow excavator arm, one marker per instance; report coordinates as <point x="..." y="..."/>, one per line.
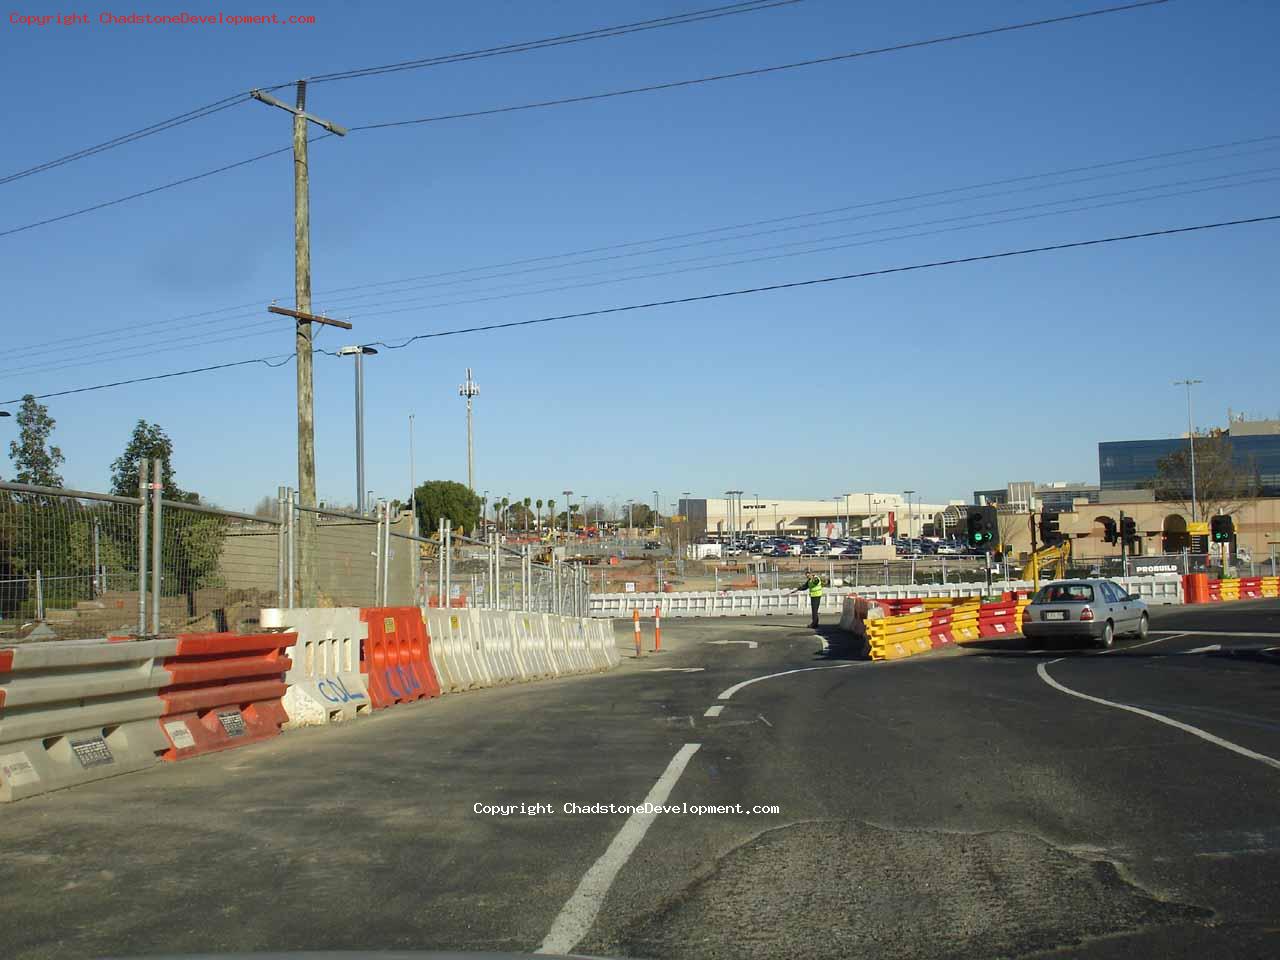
<point x="1046" y="558"/>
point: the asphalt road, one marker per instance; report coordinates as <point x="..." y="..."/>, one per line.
<point x="995" y="802"/>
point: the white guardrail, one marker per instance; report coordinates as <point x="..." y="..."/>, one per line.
<point x="1158" y="590"/>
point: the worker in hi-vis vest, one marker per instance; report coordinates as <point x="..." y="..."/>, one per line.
<point x="812" y="584"/>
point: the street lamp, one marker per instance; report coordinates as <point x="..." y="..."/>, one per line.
<point x="911" y="519"/>
<point x="568" y="515"/>
<point x="359" y="352"/>
<point x="1191" y="439"/>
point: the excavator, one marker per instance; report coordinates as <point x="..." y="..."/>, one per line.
<point x="1053" y="559"/>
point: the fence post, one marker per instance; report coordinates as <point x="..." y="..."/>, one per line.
<point x="97" y="559"/>
<point x="439" y="563"/>
<point x="282" y="538"/>
<point x="142" y="548"/>
<point x="446" y="545"/>
<point x="157" y="493"/>
<point x="292" y="540"/>
<point x="497" y="573"/>
<point x="39" y="595"/>
<point x="385" y="510"/>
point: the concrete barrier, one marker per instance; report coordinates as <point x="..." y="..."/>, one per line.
<point x="325" y="682"/>
<point x="74" y="711"/>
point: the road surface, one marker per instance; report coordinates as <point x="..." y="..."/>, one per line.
<point x="993" y="802"/>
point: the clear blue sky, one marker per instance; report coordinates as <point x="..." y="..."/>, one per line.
<point x="942" y="381"/>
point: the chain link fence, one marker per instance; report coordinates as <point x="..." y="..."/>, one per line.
<point x="69" y="563"/>
<point x="75" y="564"/>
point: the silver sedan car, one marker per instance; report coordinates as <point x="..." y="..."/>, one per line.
<point x="1095" y="610"/>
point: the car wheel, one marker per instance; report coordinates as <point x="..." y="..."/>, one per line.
<point x="1144" y="626"/>
<point x="1108" y="638"/>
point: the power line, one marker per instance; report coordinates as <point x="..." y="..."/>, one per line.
<point x="821" y="280"/>
<point x="283" y="358"/>
<point x="856" y="206"/>
<point x="348" y="303"/>
<point x="600" y="33"/>
<point x="759" y="71"/>
<point x="209" y="109"/>
<point x="380" y="309"/>
<point x="694" y="299"/>
<point x="379" y="304"/>
<point x="1195" y="155"/>
<point x="146" y="193"/>
<point x="199" y="113"/>
<point x="616" y="93"/>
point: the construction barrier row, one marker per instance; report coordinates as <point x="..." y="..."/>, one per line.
<point x="1199" y="588"/>
<point x="904" y="627"/>
<point x="1157" y="590"/>
<point x="76" y="711"/>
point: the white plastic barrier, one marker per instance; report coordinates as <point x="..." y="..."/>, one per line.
<point x="325" y="682"/>
<point x="531" y="644"/>
<point x="1162" y="589"/>
<point x="73" y="711"/>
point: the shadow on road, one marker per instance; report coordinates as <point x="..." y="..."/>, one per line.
<point x="841" y="645"/>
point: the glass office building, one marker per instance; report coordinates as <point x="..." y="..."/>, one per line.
<point x="1132" y="464"/>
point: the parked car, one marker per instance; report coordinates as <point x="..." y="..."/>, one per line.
<point x="1094" y="609"/>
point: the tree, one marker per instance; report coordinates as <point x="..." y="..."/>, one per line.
<point x="551" y="511"/>
<point x="35" y="461"/>
<point x="526" y="503"/>
<point x="267" y="507"/>
<point x="1221" y="483"/>
<point x="539" y="503"/>
<point x="148" y="441"/>
<point x="448" y="500"/>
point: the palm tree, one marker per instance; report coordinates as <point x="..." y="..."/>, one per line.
<point x="527" y="503"/>
<point x="538" y="526"/>
<point x="551" y="512"/>
<point x="505" y="503"/>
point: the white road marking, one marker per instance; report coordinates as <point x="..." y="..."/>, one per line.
<point x="726" y="694"/>
<point x="676" y="669"/>
<point x="714" y="711"/>
<point x="764" y="721"/>
<point x="577" y="915"/>
<point x="1144" y="643"/>
<point x="1220" y="633"/>
<point x="1159" y="718"/>
<point x="1211" y="648"/>
<point x="751" y="644"/>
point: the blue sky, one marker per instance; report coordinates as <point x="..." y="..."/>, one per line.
<point x="942" y="381"/>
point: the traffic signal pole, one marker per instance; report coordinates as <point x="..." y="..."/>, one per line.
<point x="1124" y="542"/>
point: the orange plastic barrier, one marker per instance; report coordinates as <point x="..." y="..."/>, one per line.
<point x="396" y="656"/>
<point x="224" y="691"/>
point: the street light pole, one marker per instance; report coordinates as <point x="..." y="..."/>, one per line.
<point x="359" y="352"/>
<point x="568" y="514"/>
<point x="1191" y="440"/>
<point x="911" y="518"/>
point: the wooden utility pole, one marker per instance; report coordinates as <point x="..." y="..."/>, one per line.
<point x="302" y="332"/>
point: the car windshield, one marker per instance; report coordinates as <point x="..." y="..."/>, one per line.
<point x="1065" y="593"/>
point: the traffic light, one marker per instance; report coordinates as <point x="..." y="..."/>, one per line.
<point x="1109" y="532"/>
<point x="1050" y="529"/>
<point x="981" y="527"/>
<point x="1128" y="530"/>
<point x="1221" y="528"/>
